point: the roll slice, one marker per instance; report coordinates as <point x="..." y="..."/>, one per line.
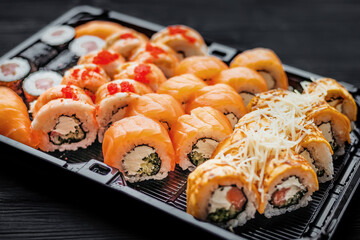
<point x="12" y="72"/>
<point x="161" y="107"/>
<point x="266" y="63"/>
<point x="245" y="81"/>
<point x="184" y="40"/>
<point x="86" y="44"/>
<point x="101" y="29"/>
<point x="65" y="124"/>
<point x="218" y="193"/>
<point x="221" y="97"/>
<point x="58" y="35"/>
<point x="140" y="148"/>
<point x="196" y="135"/>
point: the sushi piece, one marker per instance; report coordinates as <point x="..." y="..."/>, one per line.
<point x="140" y="148"/>
<point x="39" y="55"/>
<point x="86" y="44"/>
<point x="65" y="124"/>
<point x="106" y="59"/>
<point x="112" y="102"/>
<point x="289" y="182"/>
<point x="12" y="72"/>
<point x="335" y="95"/>
<point x="161" y="107"/>
<point x="218" y="193"/>
<point x="60" y="91"/>
<point x="182" y="39"/>
<point x="196" y="135"/>
<point x="221" y="97"/>
<point x="146" y="73"/>
<point x="100" y="29"/>
<point x="14" y="118"/>
<point x="182" y="87"/>
<point x="62" y="62"/>
<point x="161" y="55"/>
<point x="58" y="36"/>
<point x="38" y="82"/>
<point x="204" y="67"/>
<point x="126" y="42"/>
<point x="245" y="81"/>
<point x="266" y="63"/>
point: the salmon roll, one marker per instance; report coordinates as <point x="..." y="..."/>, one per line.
<point x="38" y="82"/>
<point x="289" y="182"/>
<point x="204" y="67"/>
<point x="221" y="97"/>
<point x="112" y="102"/>
<point x="266" y="63"/>
<point x="161" y="55"/>
<point x="125" y="42"/>
<point x="140" y="148"/>
<point x="196" y="135"/>
<point x="335" y="95"/>
<point x="12" y="72"/>
<point x="185" y="41"/>
<point x="14" y="118"/>
<point x="106" y="59"/>
<point x="146" y="73"/>
<point x="182" y="87"/>
<point x="161" y="107"/>
<point x="65" y="124"/>
<point x="86" y="44"/>
<point x="245" y="81"/>
<point x="217" y="192"/>
<point x="101" y="29"/>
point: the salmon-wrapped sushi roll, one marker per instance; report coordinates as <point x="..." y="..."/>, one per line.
<point x="289" y="181"/>
<point x="161" y="107"/>
<point x="106" y="59"/>
<point x="221" y="97"/>
<point x="204" y="67"/>
<point x="146" y="73"/>
<point x="140" y="148"/>
<point x="65" y="124"/>
<point x="182" y="39"/>
<point x="245" y="81"/>
<point x="12" y="72"/>
<point x="182" y="87"/>
<point x="217" y="192"/>
<point x="266" y="63"/>
<point x="160" y="55"/>
<point x="101" y="29"/>
<point x="113" y="100"/>
<point x="335" y="95"/>
<point x="196" y="135"/>
<point x="14" y="118"/>
<point x="126" y="42"/>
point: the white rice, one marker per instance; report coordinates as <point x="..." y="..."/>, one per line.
<point x="21" y="70"/>
<point x="57" y="35"/>
<point x="85" y="44"/>
<point x="31" y="83"/>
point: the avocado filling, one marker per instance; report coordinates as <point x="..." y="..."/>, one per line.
<point x="270" y="82"/>
<point x="288" y="193"/>
<point x="246" y="97"/>
<point x="202" y="150"/>
<point x="67" y="130"/>
<point x="320" y="171"/>
<point x="326" y="130"/>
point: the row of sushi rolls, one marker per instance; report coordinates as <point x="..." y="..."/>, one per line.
<point x="249" y="142"/>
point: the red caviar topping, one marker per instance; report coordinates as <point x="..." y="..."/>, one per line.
<point x="178" y="30"/>
<point x="90" y="94"/>
<point x="105" y="57"/>
<point x="154" y="50"/>
<point x="69" y="93"/>
<point x="113" y="88"/>
<point x="75" y="72"/>
<point x="140" y="73"/>
<point x="127" y="87"/>
<point x="126" y="36"/>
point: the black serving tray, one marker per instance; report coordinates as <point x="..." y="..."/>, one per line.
<point x="318" y="220"/>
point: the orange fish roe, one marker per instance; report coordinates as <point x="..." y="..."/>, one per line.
<point x="178" y="30"/>
<point x="126" y="36"/>
<point x="105" y="57"/>
<point x="69" y="93"/>
<point x="140" y="73"/>
<point x="90" y="94"/>
<point x="114" y="88"/>
<point x="154" y="50"/>
<point x="127" y="87"/>
<point x="86" y="72"/>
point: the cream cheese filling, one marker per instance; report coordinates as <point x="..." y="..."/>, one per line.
<point x="294" y="186"/>
<point x="132" y="160"/>
<point x="219" y="200"/>
<point x="66" y="125"/>
<point x="205" y="147"/>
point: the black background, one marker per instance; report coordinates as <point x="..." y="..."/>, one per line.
<point x="40" y="202"/>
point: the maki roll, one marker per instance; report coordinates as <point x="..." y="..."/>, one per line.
<point x="245" y="81"/>
<point x="161" y="107"/>
<point x="266" y="63"/>
<point x="86" y="44"/>
<point x="182" y="39"/>
<point x="160" y="55"/>
<point x="140" y="148"/>
<point x="58" y="36"/>
<point x="182" y="87"/>
<point x="221" y="97"/>
<point x="100" y="29"/>
<point x="196" y="135"/>
<point x="218" y="193"/>
<point x="12" y="72"/>
<point x="204" y="67"/>
<point x="146" y="73"/>
<point x="38" y="82"/>
<point x="106" y="59"/>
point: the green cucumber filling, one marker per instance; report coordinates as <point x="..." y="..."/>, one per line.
<point x="202" y="150"/>
<point x="68" y="129"/>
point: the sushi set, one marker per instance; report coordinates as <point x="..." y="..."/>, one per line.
<point x="230" y="141"/>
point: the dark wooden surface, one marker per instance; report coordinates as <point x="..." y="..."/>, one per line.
<point x="39" y="202"/>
